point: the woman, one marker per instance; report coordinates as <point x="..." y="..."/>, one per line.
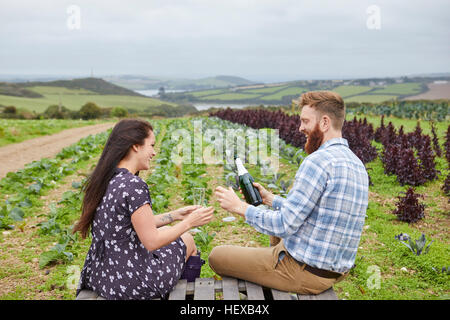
<point x="131" y="256"/>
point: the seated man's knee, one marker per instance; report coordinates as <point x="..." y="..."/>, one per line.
<point x="217" y="257"/>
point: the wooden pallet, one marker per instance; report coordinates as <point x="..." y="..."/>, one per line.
<point x="230" y="289"/>
<point x="226" y="289"/>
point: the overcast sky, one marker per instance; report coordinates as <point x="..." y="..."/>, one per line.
<point x="262" y="40"/>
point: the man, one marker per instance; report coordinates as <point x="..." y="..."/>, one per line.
<point x="321" y="219"/>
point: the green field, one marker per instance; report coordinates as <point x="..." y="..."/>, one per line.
<point x="231" y="96"/>
<point x="206" y="92"/>
<point x="370" y="98"/>
<point x="281" y="94"/>
<point x="346" y="91"/>
<point x="400" y="89"/>
<point x="266" y="89"/>
<point x="74" y="99"/>
<point x="291" y="91"/>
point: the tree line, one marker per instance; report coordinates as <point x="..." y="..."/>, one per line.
<point x="90" y="110"/>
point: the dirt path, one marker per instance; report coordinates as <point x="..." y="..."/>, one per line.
<point x="14" y="156"/>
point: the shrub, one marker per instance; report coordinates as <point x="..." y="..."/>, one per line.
<point x="447" y="145"/>
<point x="446" y="186"/>
<point x="408" y="170"/>
<point x="426" y="157"/>
<point x="10" y="110"/>
<point x="359" y="135"/>
<point x="56" y="112"/>
<point x="437" y="147"/>
<point x="409" y="209"/>
<point x="90" y="111"/>
<point x="119" y="112"/>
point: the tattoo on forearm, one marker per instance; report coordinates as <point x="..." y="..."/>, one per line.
<point x="167" y="218"/>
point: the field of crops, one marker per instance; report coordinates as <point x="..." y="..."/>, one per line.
<point x="285" y="92"/>
<point x="41" y="259"/>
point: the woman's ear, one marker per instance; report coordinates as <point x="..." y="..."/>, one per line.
<point x="134" y="147"/>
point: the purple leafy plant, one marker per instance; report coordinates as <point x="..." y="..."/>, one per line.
<point x="409" y="208"/>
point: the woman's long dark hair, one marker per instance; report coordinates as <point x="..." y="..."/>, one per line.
<point x="124" y="135"/>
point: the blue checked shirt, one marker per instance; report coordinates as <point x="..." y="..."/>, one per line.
<point x="321" y="219"/>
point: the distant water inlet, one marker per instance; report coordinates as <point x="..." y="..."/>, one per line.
<point x="199" y="106"/>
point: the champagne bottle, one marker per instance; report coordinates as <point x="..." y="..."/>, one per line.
<point x="251" y="194"/>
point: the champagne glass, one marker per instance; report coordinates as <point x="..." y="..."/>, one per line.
<point x="198" y="197"/>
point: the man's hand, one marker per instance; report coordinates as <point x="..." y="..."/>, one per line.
<point x="266" y="195"/>
<point x="229" y="201"/>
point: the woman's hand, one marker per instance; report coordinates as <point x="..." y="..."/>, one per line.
<point x="199" y="217"/>
<point x="182" y="213"/>
<point x="229" y="201"/>
<point x="266" y="195"/>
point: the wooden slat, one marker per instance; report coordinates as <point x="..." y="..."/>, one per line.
<point x="204" y="289"/>
<point x="306" y="297"/>
<point x="241" y="285"/>
<point x="190" y="288"/>
<point x="281" y="295"/>
<point x="254" y="291"/>
<point x="230" y="288"/>
<point x="326" y="295"/>
<point x="179" y="292"/>
<point x="87" y="295"/>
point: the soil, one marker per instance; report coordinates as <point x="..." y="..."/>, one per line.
<point x="436" y="91"/>
<point x="13" y="157"/>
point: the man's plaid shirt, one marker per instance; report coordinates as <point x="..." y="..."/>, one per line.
<point x="322" y="217"/>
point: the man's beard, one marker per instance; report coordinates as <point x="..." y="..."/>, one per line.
<point x="314" y="140"/>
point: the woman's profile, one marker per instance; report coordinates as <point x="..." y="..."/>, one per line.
<point x="132" y="256"/>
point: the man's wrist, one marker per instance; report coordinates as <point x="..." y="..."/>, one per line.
<point x="269" y="200"/>
<point x="242" y="208"/>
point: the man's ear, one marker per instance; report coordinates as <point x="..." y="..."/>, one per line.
<point x="325" y="123"/>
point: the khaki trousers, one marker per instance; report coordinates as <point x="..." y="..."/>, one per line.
<point x="262" y="266"/>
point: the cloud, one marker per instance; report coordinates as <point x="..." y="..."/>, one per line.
<point x="255" y="38"/>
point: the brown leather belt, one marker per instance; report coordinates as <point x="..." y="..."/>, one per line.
<point x="320" y="272"/>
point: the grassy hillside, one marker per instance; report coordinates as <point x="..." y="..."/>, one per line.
<point x="96" y="85"/>
<point x="143" y="83"/>
<point x="73" y="94"/>
<point x="16" y="90"/>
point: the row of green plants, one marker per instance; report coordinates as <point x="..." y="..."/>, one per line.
<point x="426" y="110"/>
<point x="62" y="215"/>
<point x="274" y="179"/>
<point x="164" y="174"/>
<point x="26" y="186"/>
<point x="195" y="176"/>
<point x="23" y="188"/>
